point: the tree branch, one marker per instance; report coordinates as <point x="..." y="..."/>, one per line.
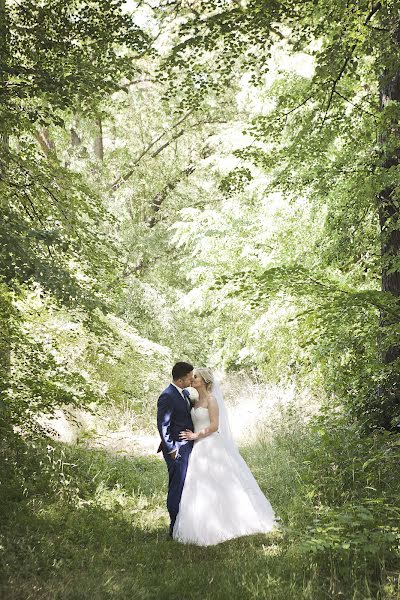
<point x="123" y="178"/>
<point x="373" y="11"/>
<point x="167" y="143"/>
<point x="355" y="105"/>
<point x="161" y="196"/>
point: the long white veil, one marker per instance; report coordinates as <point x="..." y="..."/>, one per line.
<point x="224" y="428"/>
<point x="238" y="464"/>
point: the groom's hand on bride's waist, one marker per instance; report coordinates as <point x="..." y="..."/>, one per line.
<point x="188" y="435"/>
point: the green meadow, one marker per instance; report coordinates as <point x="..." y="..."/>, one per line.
<point x="83" y="523"/>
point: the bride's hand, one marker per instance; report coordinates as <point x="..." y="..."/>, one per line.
<point x="188" y="435"/>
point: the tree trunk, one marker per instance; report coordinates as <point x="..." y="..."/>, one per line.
<point x="389" y="213"/>
<point x="4" y="50"/>
<point x="5" y="296"/>
<point x="161" y="196"/>
<point x="46" y="143"/>
<point x="75" y="138"/>
<point x="98" y="141"/>
<point x="389" y="218"/>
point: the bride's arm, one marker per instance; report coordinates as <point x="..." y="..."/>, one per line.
<point x="213" y="412"/>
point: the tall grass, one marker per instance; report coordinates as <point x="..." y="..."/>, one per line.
<point x="81" y="523"/>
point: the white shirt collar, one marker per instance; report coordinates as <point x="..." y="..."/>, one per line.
<point x="180" y="390"/>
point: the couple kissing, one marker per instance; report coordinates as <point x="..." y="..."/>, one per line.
<point x="212" y="494"/>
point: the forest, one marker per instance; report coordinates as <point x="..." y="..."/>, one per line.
<point x="211" y="181"/>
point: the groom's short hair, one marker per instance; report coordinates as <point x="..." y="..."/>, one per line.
<point x="180" y="369"/>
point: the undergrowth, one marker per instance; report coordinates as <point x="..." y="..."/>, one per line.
<point x="80" y="523"/>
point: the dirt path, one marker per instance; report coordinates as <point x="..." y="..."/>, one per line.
<point x="249" y="404"/>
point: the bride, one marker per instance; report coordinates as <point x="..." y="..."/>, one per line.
<point x="221" y="499"/>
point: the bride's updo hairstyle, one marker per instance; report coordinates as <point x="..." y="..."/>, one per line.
<point x="207" y="376"/>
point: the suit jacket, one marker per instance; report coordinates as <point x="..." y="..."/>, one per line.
<point x="173" y="416"/>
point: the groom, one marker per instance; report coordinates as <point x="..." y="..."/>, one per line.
<point x="173" y="416"/>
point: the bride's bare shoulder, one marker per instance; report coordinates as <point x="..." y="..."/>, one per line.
<point x="212" y="401"/>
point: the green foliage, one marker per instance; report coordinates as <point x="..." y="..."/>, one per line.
<point x="56" y="247"/>
<point x="344" y="472"/>
<point x="54" y="231"/>
<point x="132" y="370"/>
<point x="56" y="57"/>
<point x="235" y="181"/>
<point x="337" y="330"/>
<point x="336" y="492"/>
<point x="323" y="136"/>
<point x="57" y="236"/>
<point x="371" y="529"/>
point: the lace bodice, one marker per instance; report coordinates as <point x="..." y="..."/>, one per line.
<point x="200" y="418"/>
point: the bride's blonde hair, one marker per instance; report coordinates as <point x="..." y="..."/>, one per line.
<point x="207" y="376"/>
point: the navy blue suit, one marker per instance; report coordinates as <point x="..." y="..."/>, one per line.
<point x="173" y="416"/>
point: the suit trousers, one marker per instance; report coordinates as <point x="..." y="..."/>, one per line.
<point x="176" y="479"/>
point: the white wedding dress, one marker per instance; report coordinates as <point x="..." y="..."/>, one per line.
<point x="221" y="499"/>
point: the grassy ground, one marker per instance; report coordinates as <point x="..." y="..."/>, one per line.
<point x="108" y="540"/>
<point x="104" y="536"/>
<point x="80" y="523"/>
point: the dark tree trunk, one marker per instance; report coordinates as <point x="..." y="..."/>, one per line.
<point x="4" y="55"/>
<point x="389" y="218"/>
<point x="389" y="212"/>
<point x="75" y="139"/>
<point x="6" y="323"/>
